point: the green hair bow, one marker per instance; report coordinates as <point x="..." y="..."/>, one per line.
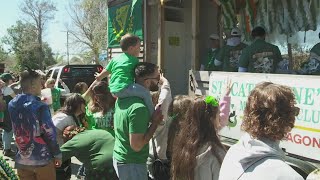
<point x="212" y="101"/>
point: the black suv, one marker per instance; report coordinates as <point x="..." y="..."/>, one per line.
<point x="72" y="74"/>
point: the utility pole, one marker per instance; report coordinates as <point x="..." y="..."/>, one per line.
<point x="68" y="47"/>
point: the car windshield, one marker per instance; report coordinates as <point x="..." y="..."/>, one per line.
<point x="83" y="71"/>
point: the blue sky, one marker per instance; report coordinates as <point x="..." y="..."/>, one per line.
<point x="10" y="13"/>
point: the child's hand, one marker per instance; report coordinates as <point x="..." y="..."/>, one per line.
<point x="228" y="87"/>
<point x="97" y="76"/>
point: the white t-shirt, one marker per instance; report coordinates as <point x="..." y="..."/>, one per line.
<point x="61" y="121"/>
<point x="6" y="91"/>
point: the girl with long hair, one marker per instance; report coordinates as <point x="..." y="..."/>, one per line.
<point x="68" y="116"/>
<point x="176" y="112"/>
<point x="100" y="108"/>
<point x="197" y="151"/>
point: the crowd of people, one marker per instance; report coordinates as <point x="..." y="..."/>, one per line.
<point x="120" y="128"/>
<point x="258" y="57"/>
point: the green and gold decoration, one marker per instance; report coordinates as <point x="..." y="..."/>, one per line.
<point x="124" y="18"/>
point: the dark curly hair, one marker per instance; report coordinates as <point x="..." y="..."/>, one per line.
<point x="197" y="130"/>
<point x="270" y="111"/>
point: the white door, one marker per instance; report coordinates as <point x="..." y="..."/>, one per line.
<point x="175" y="65"/>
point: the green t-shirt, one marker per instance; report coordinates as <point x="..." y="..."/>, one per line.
<point x="56" y="94"/>
<point x="93" y="148"/>
<point x="122" y="71"/>
<point x="316" y="49"/>
<point x="229" y="56"/>
<point x="131" y="117"/>
<point x="209" y="62"/>
<point x="98" y="120"/>
<point x="260" y="57"/>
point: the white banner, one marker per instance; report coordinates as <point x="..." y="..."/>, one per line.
<point x="304" y="139"/>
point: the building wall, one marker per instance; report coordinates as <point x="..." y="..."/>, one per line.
<point x="208" y="25"/>
<point x="153" y="30"/>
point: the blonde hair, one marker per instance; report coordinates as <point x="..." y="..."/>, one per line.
<point x="50" y="81"/>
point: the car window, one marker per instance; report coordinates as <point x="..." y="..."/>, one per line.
<point x="81" y="71"/>
<point x="55" y="73"/>
<point x="49" y="74"/>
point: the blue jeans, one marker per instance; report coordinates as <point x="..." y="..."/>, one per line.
<point x="130" y="171"/>
<point x="138" y="91"/>
<point x="7" y="138"/>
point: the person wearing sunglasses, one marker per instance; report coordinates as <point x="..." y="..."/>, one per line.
<point x="269" y="116"/>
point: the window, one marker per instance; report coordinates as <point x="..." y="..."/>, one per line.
<point x="55" y="73"/>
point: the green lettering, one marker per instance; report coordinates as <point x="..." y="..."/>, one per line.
<point x="298" y="93"/>
<point x="250" y="87"/>
<point x="318" y="117"/>
<point x="241" y="91"/>
<point x="309" y="100"/>
<point x="306" y="116"/>
<point x="242" y="105"/>
<point x="216" y="87"/>
<point x="234" y="86"/>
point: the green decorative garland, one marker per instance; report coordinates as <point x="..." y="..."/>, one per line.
<point x="6" y="172"/>
<point x="228" y="13"/>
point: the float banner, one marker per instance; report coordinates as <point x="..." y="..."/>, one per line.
<point x="122" y="19"/>
<point x="304" y="139"/>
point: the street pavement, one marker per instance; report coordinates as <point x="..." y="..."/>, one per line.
<point x="74" y="166"/>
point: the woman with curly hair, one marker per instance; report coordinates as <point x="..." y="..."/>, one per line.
<point x="269" y="116"/>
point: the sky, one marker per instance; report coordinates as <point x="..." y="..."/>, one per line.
<point x="54" y="35"/>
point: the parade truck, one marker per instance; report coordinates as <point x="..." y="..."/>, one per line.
<point x="302" y="144"/>
<point x="175" y="36"/>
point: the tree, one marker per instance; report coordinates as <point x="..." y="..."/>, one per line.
<point x="3" y="54"/>
<point x="89" y="20"/>
<point x="49" y="60"/>
<point x="39" y="13"/>
<point x="22" y="39"/>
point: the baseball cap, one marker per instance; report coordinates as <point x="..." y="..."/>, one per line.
<point x="214" y="37"/>
<point x="6" y="76"/>
<point x="235" y="32"/>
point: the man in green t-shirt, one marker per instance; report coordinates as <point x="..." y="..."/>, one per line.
<point x="121" y="68"/>
<point x="229" y="55"/>
<point x="94" y="149"/>
<point x="260" y="56"/>
<point x="133" y="129"/>
<point x="207" y="63"/>
<point x="312" y="66"/>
